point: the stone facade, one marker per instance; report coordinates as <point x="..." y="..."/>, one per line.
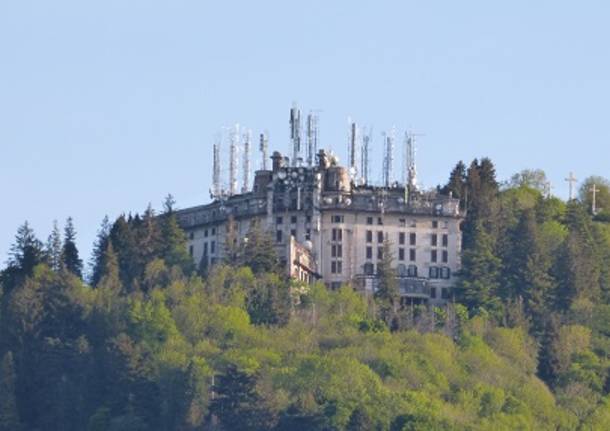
<point x="327" y="227"/>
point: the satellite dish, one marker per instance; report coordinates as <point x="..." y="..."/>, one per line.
<point x="281" y="175"/>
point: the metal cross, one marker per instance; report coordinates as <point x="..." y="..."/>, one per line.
<point x="594" y="190"/>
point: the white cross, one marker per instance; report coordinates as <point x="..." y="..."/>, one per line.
<point x="571" y="180"/>
<point x="594" y="190"/>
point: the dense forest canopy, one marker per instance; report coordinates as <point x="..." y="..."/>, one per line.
<point x="150" y="341"/>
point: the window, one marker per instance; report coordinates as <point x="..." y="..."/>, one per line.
<point x="339" y="267"/>
<point x="379" y="253"/>
<point x="445" y="256"/>
<point x="369" y="220"/>
<point x="213" y="231"/>
<point x="412" y="238"/>
<point x="445" y="273"/>
<point x="369" y="236"/>
<point x="293" y="232"/>
<point x="401" y="253"/>
<point x="445" y="240"/>
<point x="369" y="268"/>
<point x="433" y="272"/>
<point x="379" y="221"/>
<point x="336" y="250"/>
<point x="412" y="254"/>
<point x="434" y="240"/>
<point x="191" y="250"/>
<point x="337" y="219"/>
<point x="434" y="224"/>
<point x="336" y="267"/>
<point x="278" y="236"/>
<point x="401" y="238"/>
<point x="279" y="220"/>
<point x="369" y="252"/>
<point x="213" y="247"/>
<point x="293" y="219"/>
<point x="402" y="222"/>
<point x="337" y="235"/>
<point x="205" y="248"/>
<point x="412" y="271"/>
<point x="379" y="236"/>
<point x="433" y="292"/>
<point x="205" y="233"/>
<point x="402" y="269"/>
<point x="307" y="234"/>
<point x="308" y="219"/>
<point x="445" y="293"/>
<point x="433" y="256"/>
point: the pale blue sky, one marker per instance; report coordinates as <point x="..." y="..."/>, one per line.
<point x="108" y="105"/>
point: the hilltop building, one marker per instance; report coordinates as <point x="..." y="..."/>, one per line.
<point x="329" y="225"/>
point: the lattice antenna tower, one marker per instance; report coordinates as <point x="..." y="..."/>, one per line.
<point x="263" y="147"/>
<point x="233" y="159"/>
<point x="388" y="159"/>
<point x="364" y="156"/>
<point x="312" y="138"/>
<point x="410" y="159"/>
<point x="295" y="134"/>
<point x="352" y="149"/>
<point x="246" y="161"/>
<point x="216" y="190"/>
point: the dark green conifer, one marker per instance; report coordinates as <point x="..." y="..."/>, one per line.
<point x="70" y="260"/>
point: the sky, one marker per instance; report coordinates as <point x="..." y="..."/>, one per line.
<point x="107" y="106"/>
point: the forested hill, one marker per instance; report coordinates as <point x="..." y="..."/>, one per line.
<point x="151" y="342"/>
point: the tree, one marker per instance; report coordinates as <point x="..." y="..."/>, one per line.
<point x="69" y="256"/>
<point x="259" y="252"/>
<point x="479" y="285"/>
<point x="9" y="415"/>
<point x="532" y="178"/>
<point x="54" y="248"/>
<point x="359" y="420"/>
<point x="110" y="274"/>
<point x="100" y="246"/>
<point x="173" y="239"/>
<point x="125" y="245"/>
<point x="387" y="293"/>
<point x="457" y="183"/>
<point x="27" y="251"/>
<point x="148" y="237"/>
<point x="236" y="403"/>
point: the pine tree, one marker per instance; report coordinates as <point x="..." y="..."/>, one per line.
<point x="70" y="260"/>
<point x="173" y="239"/>
<point x="387" y="293"/>
<point x="97" y="263"/>
<point x="9" y="415"/>
<point x="27" y="251"/>
<point x="457" y="183"/>
<point x="126" y="247"/>
<point x="110" y="274"/>
<point x="259" y="252"/>
<point x="54" y="248"/>
<point x="148" y="237"/>
<point x="479" y="285"/>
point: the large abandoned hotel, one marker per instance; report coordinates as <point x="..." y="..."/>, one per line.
<point x="328" y="221"/>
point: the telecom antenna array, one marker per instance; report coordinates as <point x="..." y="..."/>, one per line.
<point x="352" y="149"/>
<point x="216" y="187"/>
<point x="263" y="147"/>
<point x="312" y="138"/>
<point x="364" y="156"/>
<point x="388" y="159"/>
<point x="233" y="159"/>
<point x="410" y="168"/>
<point x="246" y="168"/>
<point x="295" y="134"/>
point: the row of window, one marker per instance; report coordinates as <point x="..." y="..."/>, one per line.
<point x="293" y="219"/>
<point x="402" y="222"/>
<point x="412" y="238"/>
<point x="205" y="248"/>
<point x="434" y="272"/>
<point x="412" y="254"/>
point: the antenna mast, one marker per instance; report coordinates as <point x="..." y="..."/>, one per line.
<point x="410" y="164"/>
<point x="246" y="171"/>
<point x="312" y="138"/>
<point x="364" y="160"/>
<point x="388" y="159"/>
<point x="352" y="150"/>
<point x="216" y="192"/>
<point x="233" y="160"/>
<point x="264" y="148"/>
<point x="295" y="133"/>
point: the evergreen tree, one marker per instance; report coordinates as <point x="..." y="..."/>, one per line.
<point x="479" y="285"/>
<point x="457" y="183"/>
<point x="125" y="245"/>
<point x="359" y="420"/>
<point x="100" y="246"/>
<point x="148" y="237"/>
<point x="236" y="403"/>
<point x="54" y="248"/>
<point x="387" y="293"/>
<point x="259" y="252"/>
<point x="70" y="259"/>
<point x="173" y="239"/>
<point x="9" y="415"/>
<point x="110" y="275"/>
<point x="27" y="251"/>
